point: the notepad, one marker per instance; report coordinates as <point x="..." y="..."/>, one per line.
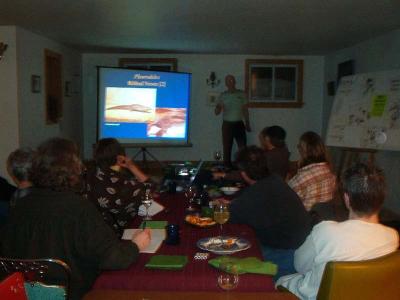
<point x="153" y="224"/>
<point x="154" y="209"/>
<point x="157" y="237"/>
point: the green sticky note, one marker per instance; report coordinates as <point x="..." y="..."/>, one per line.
<point x="154" y="224"/>
<point x="378" y="105"/>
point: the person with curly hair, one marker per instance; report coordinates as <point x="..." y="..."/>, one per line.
<point x="53" y="221"/>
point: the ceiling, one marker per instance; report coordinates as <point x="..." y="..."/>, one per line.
<point x="205" y="26"/>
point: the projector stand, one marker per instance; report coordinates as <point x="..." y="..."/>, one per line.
<point x="144" y="151"/>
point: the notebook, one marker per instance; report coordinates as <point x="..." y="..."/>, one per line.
<point x="157" y="237"/>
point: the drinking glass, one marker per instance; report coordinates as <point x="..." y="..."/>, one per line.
<point x="190" y="194"/>
<point x="147" y="201"/>
<point x="221" y="214"/>
<point x="228" y="279"/>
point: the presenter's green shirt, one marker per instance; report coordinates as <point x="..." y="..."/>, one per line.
<point x="233" y="105"/>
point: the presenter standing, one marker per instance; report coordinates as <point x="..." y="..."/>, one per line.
<point x="233" y="105"/>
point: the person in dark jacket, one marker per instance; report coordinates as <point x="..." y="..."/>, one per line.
<point x="52" y="221"/>
<point x="6" y="192"/>
<point x="272" y="208"/>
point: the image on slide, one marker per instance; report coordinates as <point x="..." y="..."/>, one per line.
<point x="169" y="123"/>
<point x="132" y="105"/>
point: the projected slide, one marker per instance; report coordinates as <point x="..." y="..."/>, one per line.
<point x="143" y="107"/>
<point x="134" y="105"/>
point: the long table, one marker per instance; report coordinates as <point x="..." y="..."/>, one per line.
<point x="198" y="275"/>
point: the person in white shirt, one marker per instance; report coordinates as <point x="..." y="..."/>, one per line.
<point x="361" y="237"/>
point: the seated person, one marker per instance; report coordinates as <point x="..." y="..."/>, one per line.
<point x="52" y="221"/>
<point x="115" y="185"/>
<point x="6" y="192"/>
<point x="272" y="140"/>
<point x="361" y="237"/>
<point x="19" y="164"/>
<point x="314" y="181"/>
<point x="272" y="208"/>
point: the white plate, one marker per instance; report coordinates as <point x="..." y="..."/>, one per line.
<point x="229" y="190"/>
<point x="217" y="244"/>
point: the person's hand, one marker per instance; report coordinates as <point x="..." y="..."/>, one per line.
<point x="219" y="108"/>
<point x="124" y="161"/>
<point x="218" y="175"/>
<point x="142" y="239"/>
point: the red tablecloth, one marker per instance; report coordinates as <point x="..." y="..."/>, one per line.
<point x="198" y="275"/>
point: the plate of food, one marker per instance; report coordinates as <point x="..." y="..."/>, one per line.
<point x="229" y="190"/>
<point x="223" y="245"/>
<point x="199" y="221"/>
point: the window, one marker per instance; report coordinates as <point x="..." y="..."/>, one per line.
<point x="274" y="83"/>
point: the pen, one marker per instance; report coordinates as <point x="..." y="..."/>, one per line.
<point x="144" y="225"/>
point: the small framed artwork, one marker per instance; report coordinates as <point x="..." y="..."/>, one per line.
<point x="151" y="64"/>
<point x="36" y="84"/>
<point x="212" y="98"/>
<point x="274" y="82"/>
<point x="68" y="89"/>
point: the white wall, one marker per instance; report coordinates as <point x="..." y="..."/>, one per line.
<point x="205" y="129"/>
<point x="378" y="54"/>
<point x="33" y="127"/>
<point x="9" y="127"/>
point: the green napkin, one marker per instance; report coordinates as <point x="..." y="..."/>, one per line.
<point x="245" y="265"/>
<point x="167" y="262"/>
<point x="154" y="224"/>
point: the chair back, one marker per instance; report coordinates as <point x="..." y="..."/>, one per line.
<point x="44" y="278"/>
<point x="372" y="279"/>
<point x="12" y="287"/>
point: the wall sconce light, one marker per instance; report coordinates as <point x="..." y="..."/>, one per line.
<point x="212" y="80"/>
<point x="3" y="48"/>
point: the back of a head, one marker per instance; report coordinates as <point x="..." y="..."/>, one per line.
<point x="253" y="161"/>
<point x="19" y="163"/>
<point x="276" y="134"/>
<point x="312" y="149"/>
<point x="365" y="187"/>
<point x="56" y="165"/>
<point x="106" y="152"/>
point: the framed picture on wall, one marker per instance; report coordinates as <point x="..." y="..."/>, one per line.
<point x="274" y="82"/>
<point x="152" y="64"/>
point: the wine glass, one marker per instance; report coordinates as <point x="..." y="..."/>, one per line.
<point x="190" y="194"/>
<point x="229" y="277"/>
<point x="147" y="201"/>
<point x="221" y="214"/>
